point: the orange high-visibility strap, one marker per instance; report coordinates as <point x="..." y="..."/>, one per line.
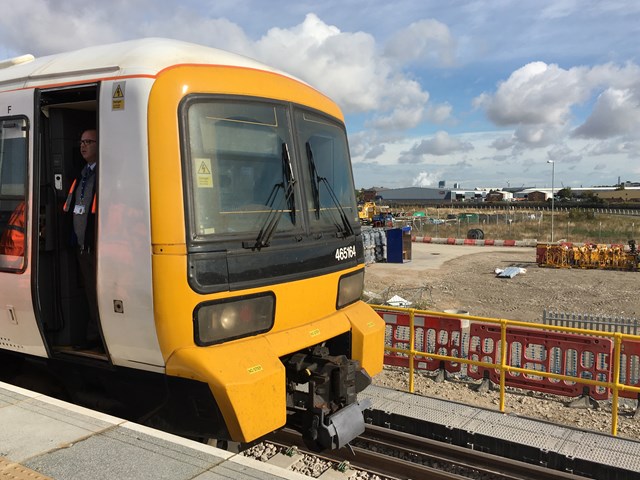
<point x="67" y="203"/>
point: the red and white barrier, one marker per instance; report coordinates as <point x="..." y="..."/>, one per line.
<point x="439" y="335"/>
<point x="477" y="242"/>
<point x="569" y="354"/>
<point x="630" y="367"/>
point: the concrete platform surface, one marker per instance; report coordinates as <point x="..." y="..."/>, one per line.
<point x="44" y="438"/>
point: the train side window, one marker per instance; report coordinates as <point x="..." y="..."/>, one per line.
<point x="13" y="193"/>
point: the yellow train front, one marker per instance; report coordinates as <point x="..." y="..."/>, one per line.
<point x="229" y="254"/>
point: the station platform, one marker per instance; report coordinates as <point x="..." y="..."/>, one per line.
<point x="43" y="438"/>
<point x="581" y="452"/>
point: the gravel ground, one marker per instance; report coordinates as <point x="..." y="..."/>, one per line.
<point x="441" y="277"/>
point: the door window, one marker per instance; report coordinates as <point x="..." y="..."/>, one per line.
<point x="13" y="193"/>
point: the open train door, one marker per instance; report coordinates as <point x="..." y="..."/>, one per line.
<point x="64" y="113"/>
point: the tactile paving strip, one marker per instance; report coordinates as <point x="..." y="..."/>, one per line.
<point x="15" y="471"/>
<point x="601" y="449"/>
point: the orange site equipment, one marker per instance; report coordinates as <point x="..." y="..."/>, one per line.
<point x="588" y="255"/>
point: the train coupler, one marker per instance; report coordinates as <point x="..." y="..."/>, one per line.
<point x="338" y="429"/>
<point x="322" y="397"/>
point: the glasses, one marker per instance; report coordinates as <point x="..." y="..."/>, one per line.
<point x="86" y="142"/>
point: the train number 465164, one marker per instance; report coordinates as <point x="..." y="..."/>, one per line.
<point x="345" y="253"/>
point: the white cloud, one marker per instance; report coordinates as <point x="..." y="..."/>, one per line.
<point x="346" y="66"/>
<point x="616" y="112"/>
<point x="535" y="94"/>
<point x="614" y="146"/>
<point x="616" y="76"/>
<point x="439" y="114"/>
<point x="421" y="41"/>
<point x="504" y="143"/>
<point x="375" y="152"/>
<point x="349" y="68"/>
<point x="537" y="135"/>
<point x="538" y="100"/>
<point x="559" y="9"/>
<point x="54" y="26"/>
<point x="562" y="153"/>
<point x="404" y="106"/>
<point x="440" y="144"/>
<point x="575" y="158"/>
<point x="607" y="147"/>
<point x="425" y="179"/>
<point x="73" y="24"/>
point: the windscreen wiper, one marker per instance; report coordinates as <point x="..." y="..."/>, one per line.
<point x="273" y="216"/>
<point x="315" y="187"/>
<point x="344" y="230"/>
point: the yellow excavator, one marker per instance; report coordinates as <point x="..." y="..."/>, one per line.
<point x="370" y="212"/>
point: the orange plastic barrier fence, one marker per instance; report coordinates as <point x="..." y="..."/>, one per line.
<point x="579" y="356"/>
<point x="573" y="355"/>
<point x="439" y="335"/>
<point x="630" y="367"/>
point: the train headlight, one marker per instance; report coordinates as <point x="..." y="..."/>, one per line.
<point x="350" y="288"/>
<point x="233" y="318"/>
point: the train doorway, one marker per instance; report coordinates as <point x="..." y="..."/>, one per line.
<point x="63" y="307"/>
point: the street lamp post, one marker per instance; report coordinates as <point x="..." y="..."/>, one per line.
<point x="553" y="174"/>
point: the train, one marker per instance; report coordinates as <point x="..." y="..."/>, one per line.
<point x="228" y="250"/>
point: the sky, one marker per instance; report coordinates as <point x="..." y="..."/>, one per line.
<point x="469" y="92"/>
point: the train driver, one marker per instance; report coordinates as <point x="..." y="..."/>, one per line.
<point x="81" y="201"/>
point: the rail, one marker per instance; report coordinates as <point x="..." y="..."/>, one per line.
<point x="375" y="463"/>
<point x="398" y="455"/>
<point x="504" y="367"/>
<point x="467" y="462"/>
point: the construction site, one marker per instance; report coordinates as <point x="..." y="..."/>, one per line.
<point x="462" y="278"/>
<point x="443" y="277"/>
<point x="544" y="330"/>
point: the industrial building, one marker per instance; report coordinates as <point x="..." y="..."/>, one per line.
<point x="425" y="195"/>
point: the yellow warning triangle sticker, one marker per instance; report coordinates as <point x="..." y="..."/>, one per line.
<point x="118" y="93"/>
<point x="204" y="170"/>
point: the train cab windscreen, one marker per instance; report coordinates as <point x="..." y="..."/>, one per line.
<point x="247" y="164"/>
<point x="325" y="159"/>
<point x="240" y="168"/>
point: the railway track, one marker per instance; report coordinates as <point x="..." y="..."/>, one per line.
<point x="396" y="455"/>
